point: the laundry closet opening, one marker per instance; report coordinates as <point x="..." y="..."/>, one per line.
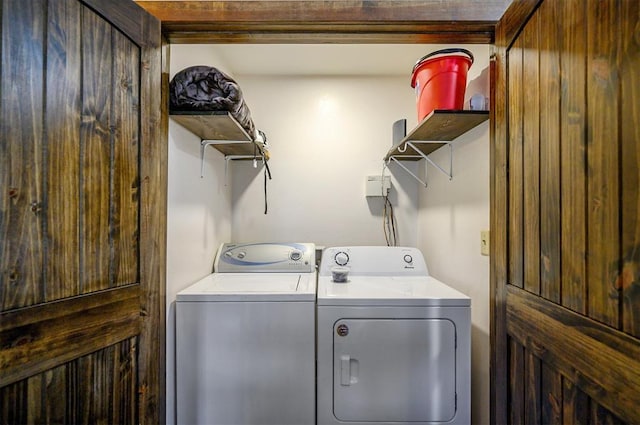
<point x="327" y="111"/>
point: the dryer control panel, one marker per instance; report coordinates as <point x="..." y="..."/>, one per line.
<point x="265" y="258"/>
<point x="374" y="261"/>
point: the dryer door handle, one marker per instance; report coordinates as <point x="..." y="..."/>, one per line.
<point x="345" y="370"/>
<point x="348" y="370"/>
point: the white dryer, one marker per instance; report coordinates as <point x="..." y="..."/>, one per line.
<point x="393" y="342"/>
<point x="245" y="338"/>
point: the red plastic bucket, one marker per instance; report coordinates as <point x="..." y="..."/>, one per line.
<point x="440" y="80"/>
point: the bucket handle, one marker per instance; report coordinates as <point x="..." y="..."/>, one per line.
<point x="442" y="52"/>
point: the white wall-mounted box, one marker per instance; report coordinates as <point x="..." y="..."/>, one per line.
<point x="378" y="185"/>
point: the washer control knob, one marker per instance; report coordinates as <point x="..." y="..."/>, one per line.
<point x="408" y="259"/>
<point x="295" y="255"/>
<point x="341" y="258"/>
<point x="242" y="254"/>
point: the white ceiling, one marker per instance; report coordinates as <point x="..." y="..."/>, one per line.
<point x="323" y="59"/>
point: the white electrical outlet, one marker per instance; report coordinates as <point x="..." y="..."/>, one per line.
<point x="484" y="242"/>
<point x="376" y="186"/>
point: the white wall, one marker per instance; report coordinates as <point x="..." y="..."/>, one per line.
<point x="450" y="218"/>
<point x="198" y="217"/>
<point x="326" y="135"/>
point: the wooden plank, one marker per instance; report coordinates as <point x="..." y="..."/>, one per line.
<point x="176" y="12"/>
<point x="124" y="380"/>
<point x="125" y="178"/>
<point x="56" y="395"/>
<point x="629" y="60"/>
<point x="498" y="244"/>
<point x="219" y="127"/>
<point x="532" y="389"/>
<point x="603" y="163"/>
<point x="62" y="122"/>
<point x="215" y="125"/>
<point x="95" y="154"/>
<point x="150" y="389"/>
<point x="551" y="389"/>
<point x="96" y="382"/>
<point x="603" y="362"/>
<point x="21" y="135"/>
<point x="313" y="34"/>
<point x="13" y="404"/>
<point x="550" y="271"/>
<point x="516" y="383"/>
<point x="531" y="154"/>
<point x="514" y="19"/>
<point x="38" y="338"/>
<point x="601" y="416"/>
<point x="439" y="125"/>
<point x="126" y="16"/>
<point x="516" y="162"/>
<point x="573" y="152"/>
<point x="327" y="21"/>
<point x="34" y="400"/>
<point x="575" y="404"/>
<point x="98" y="388"/>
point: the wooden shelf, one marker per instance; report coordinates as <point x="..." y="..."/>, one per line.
<point x="219" y="128"/>
<point x="438" y="126"/>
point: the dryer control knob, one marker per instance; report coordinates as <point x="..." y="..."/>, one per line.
<point x="408" y="259"/>
<point x="341" y="258"/>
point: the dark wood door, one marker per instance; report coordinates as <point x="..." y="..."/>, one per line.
<point x="566" y="213"/>
<point x="82" y="213"/>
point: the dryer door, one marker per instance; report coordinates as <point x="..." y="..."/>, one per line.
<point x="394" y="370"/>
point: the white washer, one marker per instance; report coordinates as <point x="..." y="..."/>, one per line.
<point x="393" y="342"/>
<point x="245" y="338"/>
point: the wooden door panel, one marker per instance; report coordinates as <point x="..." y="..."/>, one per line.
<point x="82" y="213"/>
<point x="88" y="390"/>
<point x="567" y="351"/>
<point x="37" y="338"/>
<point x="21" y="154"/>
<point x="79" y="189"/>
<point x="571" y="360"/>
<point x="629" y="63"/>
<point x="604" y="363"/>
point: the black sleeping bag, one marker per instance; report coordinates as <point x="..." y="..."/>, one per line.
<point x="205" y="88"/>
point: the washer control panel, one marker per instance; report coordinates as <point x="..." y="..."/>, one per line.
<point x="374" y="261"/>
<point x="265" y="258"/>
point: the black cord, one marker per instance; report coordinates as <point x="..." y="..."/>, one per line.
<point x="267" y="171"/>
<point x="388" y="217"/>
<point x="389" y="223"/>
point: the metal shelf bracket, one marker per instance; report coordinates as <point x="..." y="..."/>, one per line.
<point x="420" y="155"/>
<point x="205" y="143"/>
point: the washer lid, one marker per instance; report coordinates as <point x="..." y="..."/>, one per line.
<point x="251" y="287"/>
<point x="389" y="291"/>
